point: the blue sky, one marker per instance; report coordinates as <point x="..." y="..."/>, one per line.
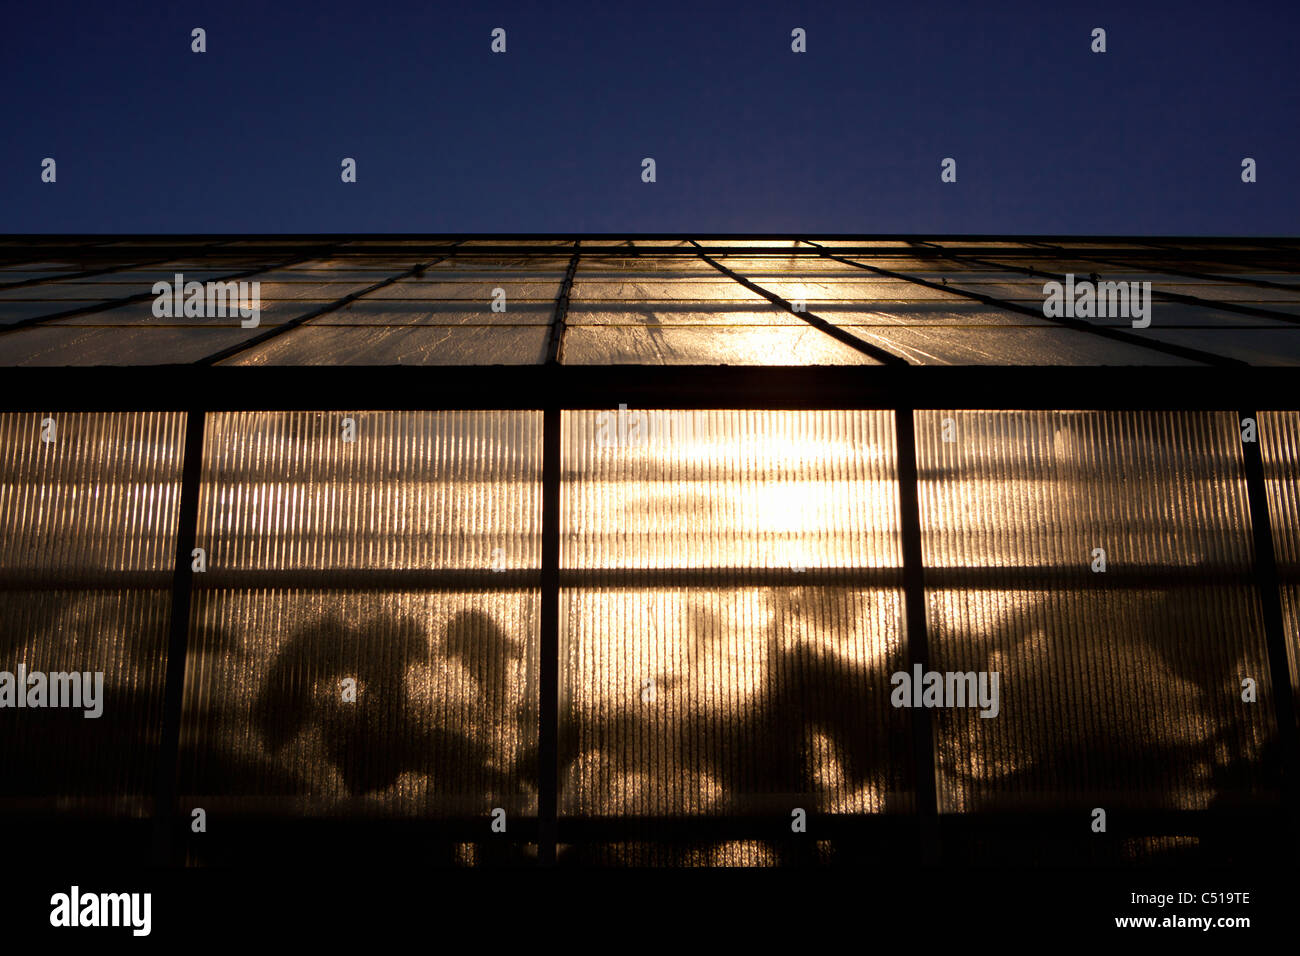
<point x="748" y="137"/>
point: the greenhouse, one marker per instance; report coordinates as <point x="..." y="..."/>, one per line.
<point x="602" y="550"/>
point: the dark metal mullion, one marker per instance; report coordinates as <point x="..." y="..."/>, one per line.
<point x="479" y="387"/>
<point x="278" y="330"/>
<point x="146" y="296"/>
<point x="988" y="577"/>
<point x="816" y="321"/>
<point x="918" y="645"/>
<point x="1079" y="325"/>
<point x="549" y="661"/>
<point x="1275" y="638"/>
<point x="555" y="347"/>
<point x="166" y="790"/>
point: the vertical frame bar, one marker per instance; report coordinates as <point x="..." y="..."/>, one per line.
<point x="164" y="848"/>
<point x="1269" y="587"/>
<point x="918" y="645"/>
<point x="549" y="663"/>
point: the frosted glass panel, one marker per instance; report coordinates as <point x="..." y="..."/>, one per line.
<point x="414" y="490"/>
<point x="88" y="513"/>
<point x="1118" y="687"/>
<point x="443" y="721"/>
<point x="709" y="692"/>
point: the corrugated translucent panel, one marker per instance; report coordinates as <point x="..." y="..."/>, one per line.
<point x="1290" y="593"/>
<point x="730" y="853"/>
<point x="101" y="497"/>
<point x="731" y="489"/>
<point x="404" y="345"/>
<point x="415" y="490"/>
<point x="726" y="699"/>
<point x="95" y="507"/>
<point x="1116" y="688"/>
<point x="1279" y="444"/>
<point x="714" y="694"/>
<point x="57" y="758"/>
<point x="680" y="345"/>
<point x="1036" y="489"/>
<point x="1111" y="698"/>
<point x="442" y="720"/>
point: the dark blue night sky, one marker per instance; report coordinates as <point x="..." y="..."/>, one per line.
<point x="749" y="137"/>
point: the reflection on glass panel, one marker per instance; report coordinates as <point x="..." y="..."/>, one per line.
<point x="411" y="344"/>
<point x="1025" y="345"/>
<point x="713" y="694"/>
<point x="135" y="345"/>
<point x="652" y="344"/>
<point x="362" y="704"/>
<point x="1274" y="345"/>
<point x="1118" y="687"/>
<point x="658" y="315"/>
<point x="288" y="490"/>
<point x="404" y="313"/>
<point x="614" y="291"/>
<point x="473" y="288"/>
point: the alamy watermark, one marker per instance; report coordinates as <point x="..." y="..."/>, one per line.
<point x="75" y="908"/>
<point x="208" y="300"/>
<point x="57" y="689"/>
<point x="635" y="429"/>
<point x="923" y="688"/>
<point x="1087" y="299"/>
